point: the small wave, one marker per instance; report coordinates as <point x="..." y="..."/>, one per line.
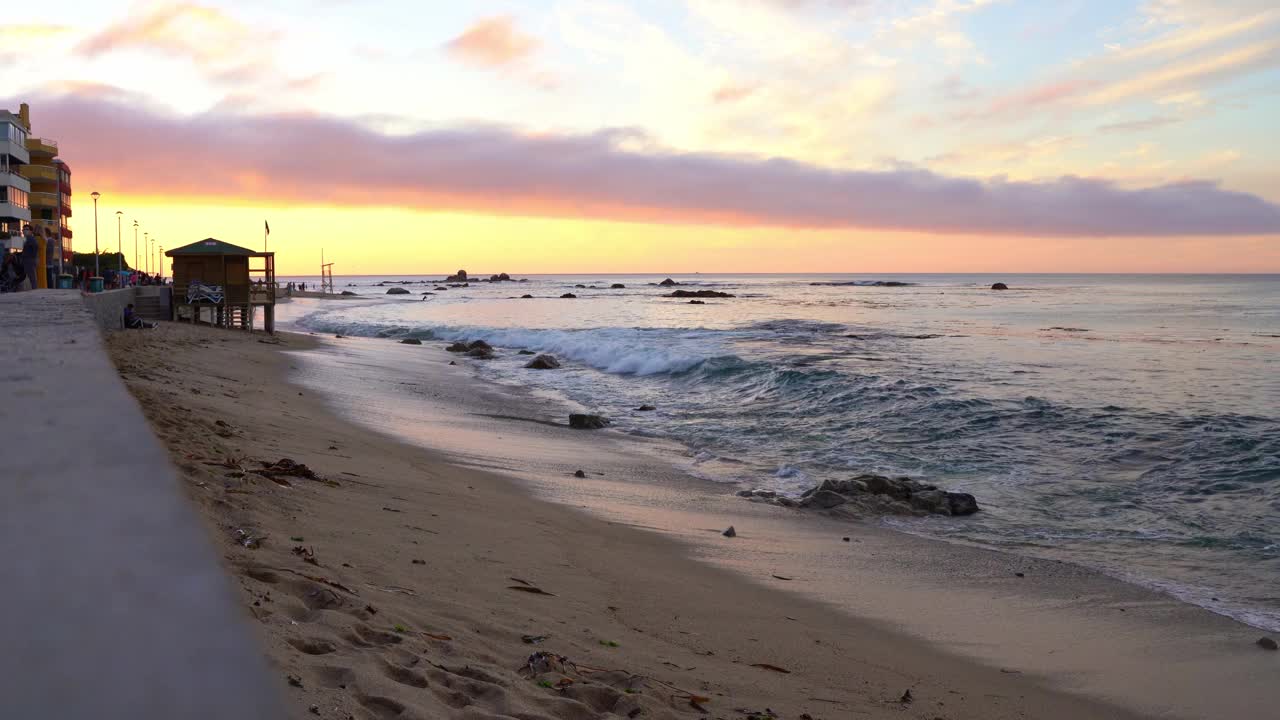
<point x="865" y="283"/>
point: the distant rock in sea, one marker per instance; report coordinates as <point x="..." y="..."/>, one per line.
<point x="999" y="286"/>
<point x="668" y="283"/>
<point x="544" y="362"/>
<point x="458" y="277"/>
<point x="568" y="296"/>
<point x="411" y="341"/>
<point x="397" y="291"/>
<point x="874" y="495"/>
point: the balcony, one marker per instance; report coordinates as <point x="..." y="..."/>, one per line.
<point x="39" y="173"/>
<point x="42" y="147"/>
<point x="43" y="200"/>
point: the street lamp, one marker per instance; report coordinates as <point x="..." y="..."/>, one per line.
<point x="119" y="242"/>
<point x="95" y="195"/>
<point x="136" y="265"/>
<point x="160" y="260"/>
<point x="146" y="243"/>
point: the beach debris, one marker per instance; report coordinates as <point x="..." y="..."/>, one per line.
<point x="668" y="283"/>
<point x="845" y="539"/>
<point x="1018" y="574"/>
<point x="400" y="628"/>
<point x="297" y="538"/>
<point x="906" y="697"/>
<point x="543" y="362"/>
<point x="999" y="286"/>
<point x="307" y="554"/>
<point x="1267" y="643"/>
<point x="568" y="296"/>
<point x="371" y="609"/>
<point x="779" y="577"/>
<point x="526" y="586"/>
<point x="417" y="562"/>
<point x="580" y="474"/>
<point x="773" y="668"/>
<point x="646" y="408"/>
<point x="731" y="532"/>
<point x="290" y="468"/>
<point x="392" y="589"/>
<point x="579" y="421"/>
<point x="314" y="709"/>
<point x="609" y="643"/>
<point x="390" y="509"/>
<point x="249" y="540"/>
<point x="294" y="681"/>
<point x="533" y="639"/>
<point x="441" y="638"/>
<point x="411" y="341"/>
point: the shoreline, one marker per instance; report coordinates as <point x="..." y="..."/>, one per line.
<point x="883" y="654"/>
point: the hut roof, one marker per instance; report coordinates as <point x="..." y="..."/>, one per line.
<point x="211" y="246"/>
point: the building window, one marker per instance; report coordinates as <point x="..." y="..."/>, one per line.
<point x="15" y="196"/>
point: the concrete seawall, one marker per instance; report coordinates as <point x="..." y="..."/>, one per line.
<point x="115" y="605"/>
<point x="108" y="307"/>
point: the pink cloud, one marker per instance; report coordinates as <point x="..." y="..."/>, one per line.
<point x="290" y="159"/>
<point x="493" y="42"/>
<point x="732" y="93"/>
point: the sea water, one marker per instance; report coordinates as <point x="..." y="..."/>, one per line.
<point x="1130" y="423"/>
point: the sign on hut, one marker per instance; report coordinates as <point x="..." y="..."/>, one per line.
<point x="223" y="284"/>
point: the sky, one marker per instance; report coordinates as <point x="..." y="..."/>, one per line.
<point x="669" y="136"/>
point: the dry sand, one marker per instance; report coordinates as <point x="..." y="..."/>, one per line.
<point x="399" y="584"/>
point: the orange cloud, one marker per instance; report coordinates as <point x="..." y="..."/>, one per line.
<point x="733" y="93"/>
<point x="291" y="159"/>
<point x="493" y="42"/>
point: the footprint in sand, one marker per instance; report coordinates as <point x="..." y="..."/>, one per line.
<point x="330" y="676"/>
<point x="381" y="707"/>
<point x="312" y="646"/>
<point x="404" y="676"/>
<point x="366" y="637"/>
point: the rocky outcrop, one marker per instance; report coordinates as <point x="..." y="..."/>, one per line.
<point x="348" y="292"/>
<point x="481" y="353"/>
<point x="568" y="296"/>
<point x="501" y="277"/>
<point x="526" y="297"/>
<point x="697" y="302"/>
<point x="999" y="286"/>
<point x="544" y="362"/>
<point x="668" y="283"/>
<point x="874" y="495"/>
<point x="458" y="277"/>
<point x="397" y="291"/>
<point x="699" y="294"/>
<point x="587" y="422"/>
<point x="646" y="408"/>
<point x="617" y="286"/>
<point x="411" y="341"/>
<point x="458" y="347"/>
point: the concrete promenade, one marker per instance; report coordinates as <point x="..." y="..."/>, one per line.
<point x="113" y="603"/>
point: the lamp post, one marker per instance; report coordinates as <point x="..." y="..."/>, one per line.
<point x="95" y="195"/>
<point x="119" y="242"/>
<point x="146" y="245"/>
<point x="136" y="266"/>
<point x="160" y="260"/>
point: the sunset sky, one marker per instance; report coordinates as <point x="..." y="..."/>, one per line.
<point x="670" y="135"/>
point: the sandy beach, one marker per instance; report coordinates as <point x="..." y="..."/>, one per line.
<point x="392" y="580"/>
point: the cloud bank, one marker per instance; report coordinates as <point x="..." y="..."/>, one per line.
<point x="324" y="160"/>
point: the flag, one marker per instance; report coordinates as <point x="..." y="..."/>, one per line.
<point x="267" y="225"/>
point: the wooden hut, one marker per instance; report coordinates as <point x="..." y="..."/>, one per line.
<point x="223" y="284"/>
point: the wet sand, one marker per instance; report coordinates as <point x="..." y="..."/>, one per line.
<point x="409" y="592"/>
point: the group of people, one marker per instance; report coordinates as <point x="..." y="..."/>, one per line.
<point x="21" y="270"/>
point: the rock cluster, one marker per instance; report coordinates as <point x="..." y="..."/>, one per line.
<point x="501" y="277"/>
<point x="476" y="349"/>
<point x="875" y="495"/>
<point x="699" y="294"/>
<point x="668" y="283"/>
<point x="397" y="291"/>
<point x="458" y="277"/>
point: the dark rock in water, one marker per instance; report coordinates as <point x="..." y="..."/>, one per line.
<point x="526" y="297"/>
<point x="568" y="296"/>
<point x="479" y="344"/>
<point x="580" y="474"/>
<point x="617" y="286"/>
<point x="697" y="302"/>
<point x="397" y="291"/>
<point x="441" y="287"/>
<point x="646" y="408"/>
<point x="823" y="500"/>
<point x="458" y="347"/>
<point x="411" y="341"/>
<point x="699" y="294"/>
<point x="460" y="276"/>
<point x="962" y="503"/>
<point x="668" y="283"/>
<point x="500" y="278"/>
<point x="875" y="495"/>
<point x="526" y="352"/>
<point x="587" y="422"/>
<point x="348" y="292"/>
<point x="544" y="362"/>
<point x="453" y="362"/>
<point x="730" y="532"/>
<point x="1267" y="643"/>
<point x="999" y="286"/>
<point x="482" y="353"/>
<point x="581" y="287"/>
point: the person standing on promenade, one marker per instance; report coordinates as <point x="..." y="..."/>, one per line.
<point x="30" y="263"/>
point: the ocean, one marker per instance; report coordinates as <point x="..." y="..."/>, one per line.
<point x="1128" y="423"/>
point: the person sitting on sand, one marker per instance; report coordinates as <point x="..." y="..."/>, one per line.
<point x="133" y="322"/>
